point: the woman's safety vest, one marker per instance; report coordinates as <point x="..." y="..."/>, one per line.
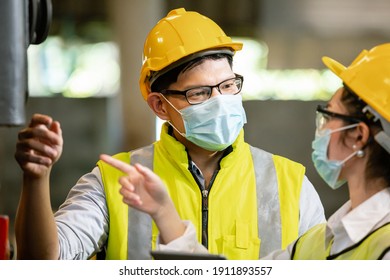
<point x="311" y="246"/>
<point x="254" y="199"/>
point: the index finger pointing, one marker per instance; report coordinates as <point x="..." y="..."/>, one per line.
<point x="118" y="164"/>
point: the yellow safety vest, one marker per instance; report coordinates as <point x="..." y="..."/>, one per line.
<point x="311" y="246"/>
<point x="254" y="197"/>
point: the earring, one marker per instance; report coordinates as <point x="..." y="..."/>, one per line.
<point x="359" y="153"/>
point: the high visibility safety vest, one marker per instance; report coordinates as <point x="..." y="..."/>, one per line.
<point x="311" y="246"/>
<point x="254" y="198"/>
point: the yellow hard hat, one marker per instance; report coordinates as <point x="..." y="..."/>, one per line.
<point x="369" y="77"/>
<point x="180" y="34"/>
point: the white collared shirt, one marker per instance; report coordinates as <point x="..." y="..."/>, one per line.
<point x="347" y="227"/>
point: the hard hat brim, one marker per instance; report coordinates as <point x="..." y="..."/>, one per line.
<point x="333" y="65"/>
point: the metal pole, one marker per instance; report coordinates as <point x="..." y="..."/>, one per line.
<point x="13" y="61"/>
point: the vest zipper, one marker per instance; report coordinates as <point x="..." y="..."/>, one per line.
<point x="205" y="211"/>
<point x="205" y="191"/>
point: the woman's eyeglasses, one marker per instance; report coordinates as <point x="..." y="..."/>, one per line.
<point x="324" y="115"/>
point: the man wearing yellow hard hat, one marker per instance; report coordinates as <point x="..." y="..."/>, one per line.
<point x="242" y="201"/>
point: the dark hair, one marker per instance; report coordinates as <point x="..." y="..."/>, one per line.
<point x="379" y="159"/>
<point x="165" y="80"/>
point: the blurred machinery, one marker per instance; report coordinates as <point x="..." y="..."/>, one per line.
<point x="22" y="22"/>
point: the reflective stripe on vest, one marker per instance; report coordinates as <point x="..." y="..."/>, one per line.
<point x="133" y="243"/>
<point x="285" y="196"/>
<point x="311" y="246"/>
<point x="278" y="185"/>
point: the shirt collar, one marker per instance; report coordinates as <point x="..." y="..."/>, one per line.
<point x="359" y="222"/>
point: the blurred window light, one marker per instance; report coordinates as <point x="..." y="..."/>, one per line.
<point x="73" y="69"/>
<point x="261" y="83"/>
<point x="78" y="69"/>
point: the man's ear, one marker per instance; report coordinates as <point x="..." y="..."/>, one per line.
<point x="156" y="103"/>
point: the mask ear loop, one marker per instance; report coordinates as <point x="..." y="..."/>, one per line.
<point x="170" y="123"/>
<point x="341" y="129"/>
<point x="350" y="156"/>
<point x="330" y="131"/>
<point x="344" y="127"/>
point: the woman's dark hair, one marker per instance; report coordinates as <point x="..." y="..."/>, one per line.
<point x="165" y="80"/>
<point x="379" y="159"/>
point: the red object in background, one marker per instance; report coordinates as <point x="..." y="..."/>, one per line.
<point x="4" y="245"/>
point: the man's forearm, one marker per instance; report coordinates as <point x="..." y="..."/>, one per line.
<point x="35" y="228"/>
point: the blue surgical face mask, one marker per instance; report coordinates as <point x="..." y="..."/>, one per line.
<point x="329" y="170"/>
<point x="215" y="124"/>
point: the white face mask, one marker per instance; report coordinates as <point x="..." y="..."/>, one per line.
<point x="329" y="170"/>
<point x="214" y="124"/>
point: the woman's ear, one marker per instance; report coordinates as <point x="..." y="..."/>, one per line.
<point x="362" y="134"/>
<point x="157" y="105"/>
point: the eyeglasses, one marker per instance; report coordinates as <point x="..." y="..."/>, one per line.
<point x="198" y="95"/>
<point x="324" y="115"/>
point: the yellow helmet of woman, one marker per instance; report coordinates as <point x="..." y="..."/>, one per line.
<point x="369" y="77"/>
